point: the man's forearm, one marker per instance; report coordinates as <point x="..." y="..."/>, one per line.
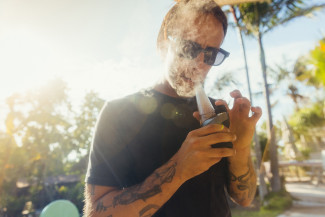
<point x="143" y="199"/>
<point x="242" y="184"/>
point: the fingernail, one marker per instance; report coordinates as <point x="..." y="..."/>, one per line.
<point x="235" y="137"/>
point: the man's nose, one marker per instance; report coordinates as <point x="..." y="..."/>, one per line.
<point x="199" y="60"/>
<point x="197" y="64"/>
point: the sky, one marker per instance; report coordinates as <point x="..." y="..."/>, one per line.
<point x="109" y="46"/>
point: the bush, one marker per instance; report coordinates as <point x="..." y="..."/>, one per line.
<point x="73" y="193"/>
<point x="274" y="204"/>
<point x="281" y="201"/>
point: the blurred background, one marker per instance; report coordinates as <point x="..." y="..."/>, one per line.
<point x="61" y="60"/>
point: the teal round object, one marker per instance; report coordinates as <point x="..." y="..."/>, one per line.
<point x="60" y="208"/>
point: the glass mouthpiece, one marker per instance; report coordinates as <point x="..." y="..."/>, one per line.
<point x="206" y="109"/>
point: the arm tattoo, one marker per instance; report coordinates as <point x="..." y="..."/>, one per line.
<point x="146" y="209"/>
<point x="244" y="183"/>
<point x="101" y="207"/>
<point x="242" y="179"/>
<point x="135" y="193"/>
<point x="149" y="188"/>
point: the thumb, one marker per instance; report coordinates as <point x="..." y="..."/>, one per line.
<point x="196" y="115"/>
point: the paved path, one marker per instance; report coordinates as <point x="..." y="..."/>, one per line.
<point x="309" y="200"/>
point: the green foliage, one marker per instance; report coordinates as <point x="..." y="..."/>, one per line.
<point x="317" y="59"/>
<point x="44" y="137"/>
<point x="263" y="143"/>
<point x="73" y="193"/>
<point x="257" y="16"/>
<point x="40" y="128"/>
<point x="261" y="17"/>
<point x="274" y="204"/>
<point x="253" y="213"/>
<point x="281" y="201"/>
<point x="85" y="121"/>
<point x="14" y="204"/>
<point x="311" y="68"/>
<point x="256" y="19"/>
<point x="305" y="153"/>
<point x="307" y="118"/>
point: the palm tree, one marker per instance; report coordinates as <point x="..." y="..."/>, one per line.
<point x="283" y="74"/>
<point x="257" y="19"/>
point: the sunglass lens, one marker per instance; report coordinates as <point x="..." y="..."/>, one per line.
<point x="219" y="59"/>
<point x="190" y="50"/>
<point x="210" y="56"/>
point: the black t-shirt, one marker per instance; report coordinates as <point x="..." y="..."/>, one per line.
<point x="139" y="133"/>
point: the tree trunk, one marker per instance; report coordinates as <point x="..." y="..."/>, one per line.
<point x="275" y="180"/>
<point x="290" y="140"/>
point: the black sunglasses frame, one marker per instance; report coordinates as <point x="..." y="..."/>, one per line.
<point x="210" y="53"/>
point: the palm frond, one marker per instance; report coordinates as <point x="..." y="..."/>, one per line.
<point x="294" y="13"/>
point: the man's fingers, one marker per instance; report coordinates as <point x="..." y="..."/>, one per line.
<point x="196" y="115"/>
<point x="221" y="102"/>
<point x="235" y="94"/>
<point x="209" y="129"/>
<point x="257" y="113"/>
<point x="242" y="105"/>
<point x="215" y="138"/>
<point x="220" y="152"/>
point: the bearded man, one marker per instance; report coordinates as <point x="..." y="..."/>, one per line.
<point x="150" y="157"/>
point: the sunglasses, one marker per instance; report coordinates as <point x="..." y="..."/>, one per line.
<point x="190" y="50"/>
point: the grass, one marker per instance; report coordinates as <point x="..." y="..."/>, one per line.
<point x="274" y="204"/>
<point x="260" y="213"/>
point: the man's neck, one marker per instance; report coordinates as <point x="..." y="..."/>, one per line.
<point x="164" y="87"/>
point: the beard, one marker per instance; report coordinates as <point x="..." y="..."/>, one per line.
<point x="184" y="82"/>
<point x="183" y="74"/>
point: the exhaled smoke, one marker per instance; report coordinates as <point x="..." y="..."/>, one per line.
<point x="185" y="73"/>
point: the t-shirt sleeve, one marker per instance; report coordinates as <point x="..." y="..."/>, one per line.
<point x="109" y="160"/>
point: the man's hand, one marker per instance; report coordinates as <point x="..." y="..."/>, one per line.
<point x="241" y="124"/>
<point x="242" y="177"/>
<point x="196" y="155"/>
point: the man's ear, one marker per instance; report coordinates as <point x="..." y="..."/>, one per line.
<point x="162" y="47"/>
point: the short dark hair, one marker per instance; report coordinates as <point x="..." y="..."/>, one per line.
<point x="201" y="6"/>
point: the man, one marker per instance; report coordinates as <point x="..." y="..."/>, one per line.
<point x="150" y="157"/>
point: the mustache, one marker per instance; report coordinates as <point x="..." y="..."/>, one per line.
<point x="194" y="75"/>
